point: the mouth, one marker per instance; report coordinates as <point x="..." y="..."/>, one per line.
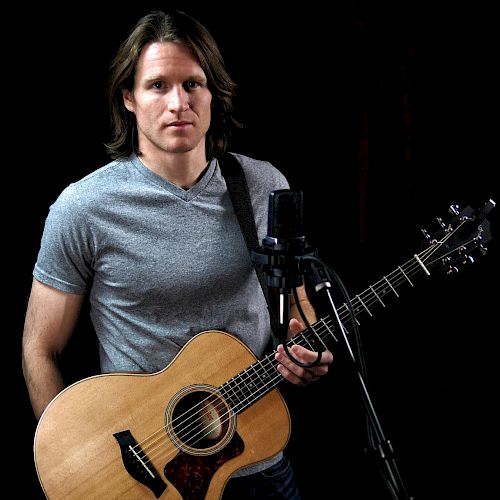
<point x="179" y="124"/>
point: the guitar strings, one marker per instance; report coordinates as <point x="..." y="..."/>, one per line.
<point x="323" y="329"/>
<point x="409" y="270"/>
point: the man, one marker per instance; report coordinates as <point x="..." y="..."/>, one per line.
<point x="152" y="239"/>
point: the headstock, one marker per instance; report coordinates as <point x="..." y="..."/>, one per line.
<point x="459" y="240"/>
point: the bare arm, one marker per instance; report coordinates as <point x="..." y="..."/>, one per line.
<point x="50" y="319"/>
<point x="306" y="307"/>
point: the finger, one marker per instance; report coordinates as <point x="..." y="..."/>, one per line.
<point x="292" y="371"/>
<point x="289" y="375"/>
<point x="303" y="355"/>
<point x="308" y="356"/>
<point x="295" y="326"/>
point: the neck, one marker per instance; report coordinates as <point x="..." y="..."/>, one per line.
<point x="181" y="169"/>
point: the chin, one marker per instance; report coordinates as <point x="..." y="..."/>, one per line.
<point x="182" y="147"/>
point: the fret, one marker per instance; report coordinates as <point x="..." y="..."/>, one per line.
<point x="309" y="345"/>
<point x="234" y="398"/>
<point x="248" y="384"/>
<point x="404" y="274"/>
<point x="311" y="331"/>
<point x="364" y="305"/>
<point x="330" y="330"/>
<point x="376" y="295"/>
<point x="273" y="378"/>
<point x="318" y="336"/>
<point x="261" y="375"/>
<point x="359" y="309"/>
<point x="389" y="283"/>
<point x="226" y="394"/>
<point x="245" y="385"/>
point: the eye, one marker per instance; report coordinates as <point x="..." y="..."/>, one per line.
<point x="191" y="84"/>
<point x="158" y="85"/>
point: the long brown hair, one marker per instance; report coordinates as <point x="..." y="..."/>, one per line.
<point x="175" y="26"/>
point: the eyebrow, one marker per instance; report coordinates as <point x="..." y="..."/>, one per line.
<point x="197" y="77"/>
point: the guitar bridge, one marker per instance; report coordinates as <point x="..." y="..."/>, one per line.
<point x="137" y="464"/>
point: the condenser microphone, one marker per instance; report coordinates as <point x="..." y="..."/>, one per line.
<point x="281" y="255"/>
<point x="282" y="249"/>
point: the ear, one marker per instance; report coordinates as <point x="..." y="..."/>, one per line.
<point x="128" y="100"/>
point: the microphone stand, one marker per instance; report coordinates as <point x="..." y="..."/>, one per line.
<point x="382" y="444"/>
<point x="281" y="258"/>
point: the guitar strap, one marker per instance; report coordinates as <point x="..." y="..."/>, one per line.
<point x="237" y="188"/>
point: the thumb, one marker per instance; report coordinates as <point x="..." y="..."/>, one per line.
<point x="295" y="326"/>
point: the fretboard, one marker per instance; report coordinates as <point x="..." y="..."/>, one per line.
<point x="251" y="384"/>
<point x="257" y="380"/>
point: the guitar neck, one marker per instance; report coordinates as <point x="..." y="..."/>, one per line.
<point x="468" y="231"/>
<point x="254" y="382"/>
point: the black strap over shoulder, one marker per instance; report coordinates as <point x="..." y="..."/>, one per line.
<point x="240" y="197"/>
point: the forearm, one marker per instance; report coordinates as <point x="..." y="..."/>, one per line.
<point x="50" y="319"/>
<point x="305" y="305"/>
<point x="43" y="380"/>
<point x="307" y="308"/>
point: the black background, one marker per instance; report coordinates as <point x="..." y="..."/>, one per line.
<point x="383" y="116"/>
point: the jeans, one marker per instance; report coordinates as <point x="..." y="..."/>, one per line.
<point x="277" y="483"/>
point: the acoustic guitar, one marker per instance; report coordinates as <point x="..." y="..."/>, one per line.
<point x="182" y="432"/>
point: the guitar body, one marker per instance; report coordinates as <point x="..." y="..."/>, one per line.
<point x="118" y="436"/>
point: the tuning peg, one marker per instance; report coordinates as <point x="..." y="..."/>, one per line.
<point x="427" y="236"/>
<point x="453" y="209"/>
<point x="441" y="223"/>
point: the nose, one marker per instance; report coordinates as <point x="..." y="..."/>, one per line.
<point x="178" y="99"/>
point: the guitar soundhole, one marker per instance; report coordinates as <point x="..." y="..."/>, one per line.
<point x="199" y="421"/>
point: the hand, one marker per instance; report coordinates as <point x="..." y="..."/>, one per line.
<point x="294" y="373"/>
